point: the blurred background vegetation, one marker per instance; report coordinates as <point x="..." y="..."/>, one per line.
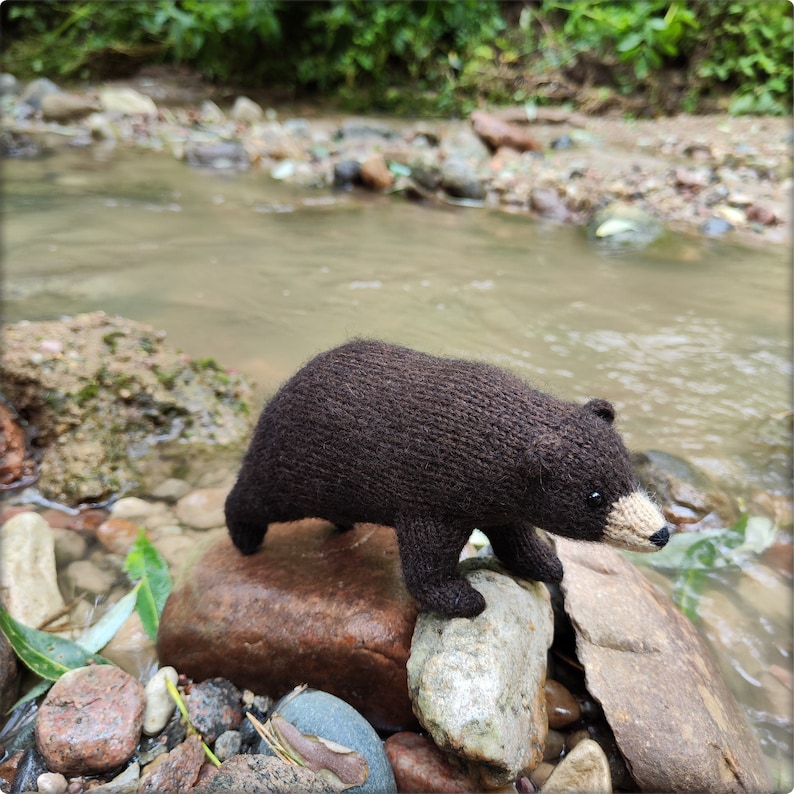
<point x="442" y="57"/>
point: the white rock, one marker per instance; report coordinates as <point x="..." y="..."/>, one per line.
<point x="159" y="703"/>
<point x="171" y="490"/>
<point x="28" y="577"/>
<point x="246" y="111"/>
<point x="476" y="684"/>
<point x="125" y="783"/>
<point x="584" y="769"/>
<point x="131" y="508"/>
<point x="85" y="576"/>
<point x="202" y="508"/>
<point x="127" y="102"/>
<point x="51" y="783"/>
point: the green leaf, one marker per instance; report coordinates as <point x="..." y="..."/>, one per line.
<point x="47" y="655"/>
<point x="145" y="565"/>
<point x="104" y="630"/>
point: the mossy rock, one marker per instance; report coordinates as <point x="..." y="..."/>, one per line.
<point x="103" y="393"/>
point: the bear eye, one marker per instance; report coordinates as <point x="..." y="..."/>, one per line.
<point x="595" y="499"/>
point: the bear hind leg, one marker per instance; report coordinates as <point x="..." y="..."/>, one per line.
<point x="247" y="519"/>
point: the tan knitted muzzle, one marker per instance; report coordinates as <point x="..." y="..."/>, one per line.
<point x="635" y="523"/>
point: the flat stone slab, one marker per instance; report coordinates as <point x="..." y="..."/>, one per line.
<point x="676" y="722"/>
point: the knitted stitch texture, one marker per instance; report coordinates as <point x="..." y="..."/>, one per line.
<point x="434" y="447"/>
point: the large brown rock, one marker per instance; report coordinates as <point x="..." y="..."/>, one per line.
<point x="314" y="605"/>
<point x="674" y="718"/>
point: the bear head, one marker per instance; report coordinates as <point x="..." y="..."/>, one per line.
<point x="586" y="485"/>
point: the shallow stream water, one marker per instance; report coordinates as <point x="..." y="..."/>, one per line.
<point x="689" y="339"/>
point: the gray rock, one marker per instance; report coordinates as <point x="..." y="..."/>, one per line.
<point x="584" y="769"/>
<point x="124" y="783"/>
<point x="460" y="180"/>
<point x="227" y="745"/>
<point x="36" y="90"/>
<point x="214" y="706"/>
<point x="220" y="155"/>
<point x="715" y="227"/>
<point x="689" y="497"/>
<point x="261" y="774"/>
<point x="202" y="508"/>
<point x="9" y="85"/>
<point x="67" y="107"/>
<point x="127" y="102"/>
<point x="466" y="677"/>
<point x="327" y="716"/>
<point x="28" y="578"/>
<point x="171" y="490"/>
<point x="675" y="720"/>
<point x="246" y="111"/>
<point x="462" y="141"/>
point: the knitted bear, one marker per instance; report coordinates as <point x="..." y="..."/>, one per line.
<point x="436" y="447"/>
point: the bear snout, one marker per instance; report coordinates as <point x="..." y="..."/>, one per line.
<point x="633" y="523"/>
<point x="660" y="538"/>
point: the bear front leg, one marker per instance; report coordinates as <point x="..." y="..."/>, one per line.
<point x="247" y="518"/>
<point x="429" y="553"/>
<point x="523" y="552"/>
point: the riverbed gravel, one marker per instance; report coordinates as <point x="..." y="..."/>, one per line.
<point x="714" y="175"/>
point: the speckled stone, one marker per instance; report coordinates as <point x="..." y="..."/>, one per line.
<point x="90" y="721"/>
<point x="178" y="771"/>
<point x="214" y="706"/>
<point x="419" y="765"/>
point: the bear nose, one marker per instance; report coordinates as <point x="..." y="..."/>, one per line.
<point x="660" y="538"/>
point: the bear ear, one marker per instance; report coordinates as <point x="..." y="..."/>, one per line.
<point x="601" y="408"/>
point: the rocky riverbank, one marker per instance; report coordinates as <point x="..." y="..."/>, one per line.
<point x="714" y="175"/>
<point x="611" y="688"/>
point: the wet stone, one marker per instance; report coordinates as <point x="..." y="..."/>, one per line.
<point x="260" y="774"/>
<point x="419" y="765"/>
<point x="214" y="706"/>
<point x="321" y="714"/>
<point x="202" y="508"/>
<point x="561" y="706"/>
<point x="178" y="771"/>
<point x="90" y="721"/>
<point x="29" y="767"/>
<point x="347" y="173"/>
<point x="117" y="535"/>
<point x="227" y="745"/>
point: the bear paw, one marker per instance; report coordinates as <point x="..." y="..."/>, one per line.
<point x="456" y="599"/>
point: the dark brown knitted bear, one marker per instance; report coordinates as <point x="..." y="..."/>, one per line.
<point x="436" y="447"/>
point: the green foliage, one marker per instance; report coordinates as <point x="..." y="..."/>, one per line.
<point x="47" y="655"/>
<point x="145" y="565"/>
<point x="642" y="33"/>
<point x="50" y="656"/>
<point x="441" y="56"/>
<point x="749" y="47"/>
<point x="696" y="557"/>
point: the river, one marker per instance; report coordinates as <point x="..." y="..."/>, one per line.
<point x="690" y="339"/>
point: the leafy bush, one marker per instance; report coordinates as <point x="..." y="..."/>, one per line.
<point x="439" y="55"/>
<point x="749" y="47"/>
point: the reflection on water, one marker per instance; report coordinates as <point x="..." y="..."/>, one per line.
<point x="690" y="340"/>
